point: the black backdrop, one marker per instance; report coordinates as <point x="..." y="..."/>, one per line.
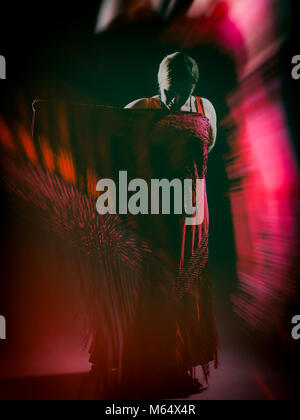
<point x="52" y="52"/>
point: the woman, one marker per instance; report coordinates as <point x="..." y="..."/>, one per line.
<point x="186" y="332"/>
<point x="177" y="78"/>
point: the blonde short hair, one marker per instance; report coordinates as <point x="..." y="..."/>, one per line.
<point x="178" y="68"/>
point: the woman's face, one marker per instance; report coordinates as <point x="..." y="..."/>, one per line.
<point x="174" y="97"/>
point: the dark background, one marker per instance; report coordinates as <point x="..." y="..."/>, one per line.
<point x="52" y="52"/>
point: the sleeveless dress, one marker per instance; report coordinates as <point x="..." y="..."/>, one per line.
<point x="174" y="329"/>
<point x="150" y="313"/>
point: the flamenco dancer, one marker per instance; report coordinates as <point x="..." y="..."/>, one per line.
<point x="174" y="330"/>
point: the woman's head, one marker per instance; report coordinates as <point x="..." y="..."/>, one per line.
<point x="177" y="77"/>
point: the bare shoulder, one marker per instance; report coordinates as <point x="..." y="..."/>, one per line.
<point x="212" y="116"/>
<point x="209" y="108"/>
<point x="138" y="104"/>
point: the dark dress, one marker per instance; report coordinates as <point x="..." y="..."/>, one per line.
<point x="173" y="330"/>
<point x="145" y="278"/>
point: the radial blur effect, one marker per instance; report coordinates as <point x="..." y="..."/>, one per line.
<point x="260" y="157"/>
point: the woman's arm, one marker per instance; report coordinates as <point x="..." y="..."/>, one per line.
<point x="212" y="116"/>
<point x="138" y="104"/>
